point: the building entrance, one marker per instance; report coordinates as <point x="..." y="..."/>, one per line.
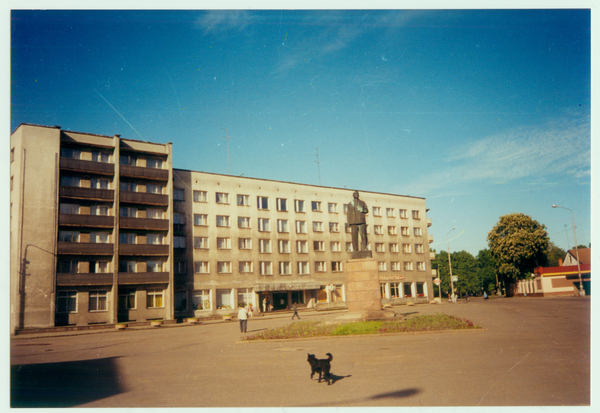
<point x="280" y="301"/>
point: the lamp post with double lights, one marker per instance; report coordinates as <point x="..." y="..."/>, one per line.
<point x="581" y="290"/>
<point x="450" y="265"/>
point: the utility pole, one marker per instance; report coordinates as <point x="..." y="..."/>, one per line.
<point x="227" y="139"/>
<point x="318" y="166"/>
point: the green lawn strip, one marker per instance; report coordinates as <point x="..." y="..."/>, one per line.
<point x="308" y="329"/>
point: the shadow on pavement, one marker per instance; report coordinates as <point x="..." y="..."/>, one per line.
<point x="65" y="384"/>
<point x="396" y="394"/>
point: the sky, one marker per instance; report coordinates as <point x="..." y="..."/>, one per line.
<point x="481" y="112"/>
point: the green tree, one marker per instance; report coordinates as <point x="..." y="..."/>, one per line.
<point x="487" y="270"/>
<point x="519" y="244"/>
<point x="464" y="266"/>
<point x="554" y="254"/>
<point x="440" y="263"/>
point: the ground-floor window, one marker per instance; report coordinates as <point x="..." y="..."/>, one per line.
<point x="127" y="299"/>
<point x="244" y="297"/>
<point x="224" y="299"/>
<point x="98" y="300"/>
<point x="394" y="290"/>
<point x="180" y="298"/>
<point x="66" y="301"/>
<point x="383" y="290"/>
<point x="421" y="289"/>
<point x="201" y="300"/>
<point x="154" y="298"/>
<point x="336" y="293"/>
<point x="408" y="290"/>
<point x="298" y="297"/>
<point x="322" y="294"/>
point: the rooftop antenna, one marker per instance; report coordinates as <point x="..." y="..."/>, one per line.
<point x="318" y="165"/>
<point x="227" y="139"/>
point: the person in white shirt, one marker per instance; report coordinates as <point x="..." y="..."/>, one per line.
<point x="243" y="317"/>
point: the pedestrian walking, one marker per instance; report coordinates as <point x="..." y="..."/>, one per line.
<point x="485" y="297"/>
<point x="265" y="305"/>
<point x="295" y="307"/>
<point x="243" y="317"/>
<point x="268" y="305"/>
<point x="467" y="296"/>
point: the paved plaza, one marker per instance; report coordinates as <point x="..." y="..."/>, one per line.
<point x="530" y="352"/>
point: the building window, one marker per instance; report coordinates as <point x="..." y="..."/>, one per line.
<point x="405" y="231"/>
<point x="319" y="245"/>
<point x="98" y="267"/>
<point x="392" y="230"/>
<point x="201" y="300"/>
<point x="66" y="301"/>
<point x="408" y="266"/>
<point x="266" y="268"/>
<point x="284" y="246"/>
<point x="224" y="299"/>
<point x="282" y="225"/>
<point x="419" y="248"/>
<point x="395" y="266"/>
<point x="222" y="198"/>
<point x="153" y="213"/>
<point x="263" y="225"/>
<point x="335" y="246"/>
<point x="317" y="226"/>
<point x="201" y="267"/>
<point x="244" y="296"/>
<point x="379" y="247"/>
<point x="127" y="212"/>
<point x="420" y="289"/>
<point x="403" y="213"/>
<point x="154" y="163"/>
<point x="336" y="266"/>
<point x="178" y="242"/>
<point x="243" y="222"/>
<point x="332" y="207"/>
<point x="200" y="196"/>
<point x="393" y="247"/>
<point x="127" y="160"/>
<point x="285" y="268"/>
<point x="224" y="243"/>
<point x="406" y="248"/>
<point x="154" y="298"/>
<point x="178" y="218"/>
<point x="127" y="299"/>
<point x="243" y="200"/>
<point x="97" y="183"/>
<point x="70" y="153"/>
<point x="69" y="209"/>
<point x="382" y="290"/>
<point x="68" y="266"/>
<point x="245" y="267"/>
<point x="68" y="236"/>
<point x="394" y="290"/>
<point x="302" y="247"/>
<point x="282" y="204"/>
<point x="390" y="212"/>
<point x="347" y="228"/>
<point x="222" y="221"/>
<point x="127" y="238"/>
<point x="201" y="242"/>
<point x="378" y="229"/>
<point x="301" y="227"/>
<point x="128" y="186"/>
<point x="316" y="206"/>
<point x="70" y="181"/>
<point x="262" y="202"/>
<point x="158" y="189"/>
<point x="201" y="220"/>
<point x="303" y="268"/>
<point x="154" y="266"/>
<point x="180" y="267"/>
<point x="416" y="215"/>
<point x="334" y="227"/>
<point x="407" y="287"/>
<point x="299" y="206"/>
<point x="245" y="243"/>
<point x="264" y="246"/>
<point x="420" y="266"/>
<point x="376" y="211"/>
<point x="224" y="267"/>
<point x="381" y="266"/>
<point x="349" y="247"/>
<point x="320" y="266"/>
<point x="99" y="237"/>
<point x="98" y="210"/>
<point x="127" y="266"/>
<point x="418" y="232"/>
<point x="98" y="300"/>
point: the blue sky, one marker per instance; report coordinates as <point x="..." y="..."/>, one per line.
<point x="481" y="112"/>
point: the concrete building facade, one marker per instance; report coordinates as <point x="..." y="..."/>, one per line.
<point x="104" y="229"/>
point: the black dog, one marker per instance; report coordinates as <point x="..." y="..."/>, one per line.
<point x="321" y="366"/>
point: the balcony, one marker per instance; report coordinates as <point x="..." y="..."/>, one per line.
<point x="432" y="255"/>
<point x="143" y="249"/>
<point x="428" y="222"/>
<point x="143" y="278"/>
<point x="71" y="279"/>
<point x="76" y="192"/>
<point x="144" y="223"/>
<point x="143" y="198"/>
<point x="77" y="165"/>
<point x="85" y="248"/>
<point x="144" y="173"/>
<point x="96" y="221"/>
<point x="430" y="237"/>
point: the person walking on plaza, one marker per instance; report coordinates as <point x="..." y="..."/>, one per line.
<point x="467" y="296"/>
<point x="243" y="317"/>
<point x="265" y="305"/>
<point x="295" y="307"/>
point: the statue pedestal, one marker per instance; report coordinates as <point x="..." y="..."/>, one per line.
<point x="363" y="291"/>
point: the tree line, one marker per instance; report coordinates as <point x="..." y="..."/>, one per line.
<point x="516" y="246"/>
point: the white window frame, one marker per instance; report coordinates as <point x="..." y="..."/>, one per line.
<point x="244" y="243"/>
<point x="69" y="297"/>
<point x="395" y="266"/>
<point x="262" y="203"/>
<point x="264" y="225"/>
<point x="334" y="227"/>
<point x="223" y="221"/>
<point x="376" y="211"/>
<point x="303" y="268"/>
<point x="406" y="248"/>
<point x="319" y="246"/>
<point x="223" y="243"/>
<point x="336" y="266"/>
<point x="224" y="267"/>
<point x="283" y="226"/>
<point x="302" y="247"/>
<point x="244" y="222"/>
<point x="201" y="267"/>
<point x="301" y="227"/>
<point x="246" y="267"/>
<point x="382" y="266"/>
<point x="283" y="246"/>
<point x="282" y="205"/>
<point x="201" y="243"/>
<point x="299" y="205"/>
<point x="418" y="231"/>
<point x="152" y="294"/>
<point x="264" y="246"/>
<point x="335" y="246"/>
<point x="243" y="200"/>
<point x="404" y="214"/>
<point x="392" y="230"/>
<point x="266" y="268"/>
<point x="317" y="226"/>
<point x="332" y="207"/>
<point x="201" y="220"/>
<point x="390" y="212"/>
<point x="285" y="268"/>
<point x="222" y="198"/>
<point x="379" y="247"/>
<point x="200" y="196"/>
<point x="320" y="266"/>
<point x="315" y="206"/>
<point x="378" y="229"/>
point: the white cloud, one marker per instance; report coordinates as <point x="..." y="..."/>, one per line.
<point x="219" y="21"/>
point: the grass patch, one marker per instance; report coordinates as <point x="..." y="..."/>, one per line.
<point x="308" y="329"/>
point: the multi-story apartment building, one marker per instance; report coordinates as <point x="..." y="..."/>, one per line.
<point x="103" y="229"/>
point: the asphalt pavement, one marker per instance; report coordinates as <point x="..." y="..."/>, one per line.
<point x="529" y="352"/>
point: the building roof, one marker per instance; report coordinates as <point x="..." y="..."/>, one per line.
<point x="585" y="255"/>
<point x="566" y="270"/>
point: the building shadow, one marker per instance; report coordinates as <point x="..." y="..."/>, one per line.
<point x="396" y="394"/>
<point x="65" y="384"/>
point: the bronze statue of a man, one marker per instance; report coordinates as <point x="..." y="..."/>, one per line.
<point x="357" y="210"/>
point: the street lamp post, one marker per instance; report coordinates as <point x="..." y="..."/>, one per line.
<point x="581" y="290"/>
<point x="450" y="264"/>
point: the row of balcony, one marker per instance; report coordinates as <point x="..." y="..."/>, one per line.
<point x="94" y="194"/>
<point x="103" y="168"/>
<point x="125" y="278"/>
<point x="105" y="221"/>
<point x="92" y="248"/>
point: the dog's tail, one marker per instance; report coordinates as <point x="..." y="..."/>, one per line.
<point x="330" y="356"/>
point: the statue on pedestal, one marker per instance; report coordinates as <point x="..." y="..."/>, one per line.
<point x="357" y="210"/>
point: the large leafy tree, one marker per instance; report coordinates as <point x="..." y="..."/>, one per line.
<point x="487" y="270"/>
<point x="519" y="244"/>
<point x="464" y="265"/>
<point x="554" y="254"/>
